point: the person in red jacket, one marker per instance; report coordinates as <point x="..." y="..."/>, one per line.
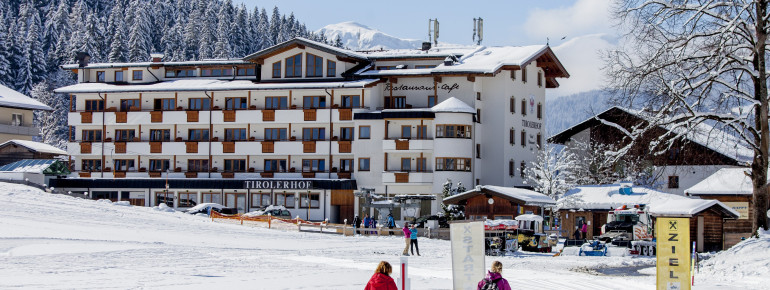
<point x="381" y="279"/>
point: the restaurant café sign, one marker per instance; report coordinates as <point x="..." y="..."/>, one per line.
<point x="278" y="184"/>
<point x="444" y="87"/>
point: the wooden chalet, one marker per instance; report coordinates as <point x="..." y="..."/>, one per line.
<point x="497" y="202"/>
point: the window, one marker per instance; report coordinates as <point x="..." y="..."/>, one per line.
<point x="539" y="138"/>
<point x="216" y="72"/>
<point x="275" y="134"/>
<point x="346" y="165"/>
<point x="406" y="164"/>
<point x="94" y="105"/>
<point x="294" y="66"/>
<point x="136" y="75"/>
<point x="187" y="199"/>
<point x="17" y="119"/>
<point x="513" y="105"/>
<point x="453" y="164"/>
<point x="524" y="74"/>
<point x="164" y="197"/>
<point x="422" y="132"/>
<point x="453" y="131"/>
<point x="422" y="164"/>
<point x="364" y="132"/>
<point x="159" y="164"/>
<point x="513" y="75"/>
<point x="673" y="154"/>
<point x="673" y="181"/>
<point x="539" y="79"/>
<point x="198" y="134"/>
<point x="539" y="110"/>
<point x="363" y="164"/>
<point x="478" y="150"/>
<point x="523" y="138"/>
<point x="512" y="136"/>
<point x="235" y="165"/>
<point x="313" y="165"/>
<point x="478" y="96"/>
<point x="346" y="133"/>
<point x="309" y="200"/>
<point x="523" y="107"/>
<point x="511" y="168"/>
<point x="100" y="76"/>
<point x="92" y="135"/>
<point x="285" y="199"/>
<point x="197" y="165"/>
<point x="314" y="102"/>
<point x="260" y="199"/>
<point x="315" y="66"/>
<point x="124" y="164"/>
<point x="275" y="165"/>
<point x="124" y="135"/>
<point x="419" y="66"/>
<point x="478" y="116"/>
<point x="276" y="103"/>
<point x="211" y="197"/>
<point x="242" y="71"/>
<point x="164" y="104"/>
<point x="180" y="73"/>
<point x="200" y="104"/>
<point x="160" y="135"/>
<point x="522" y="169"/>
<point x="235" y="103"/>
<point x="331" y="68"/>
<point x="431" y="101"/>
<point x="91" y="165"/>
<point x="277" y="70"/>
<point x="351" y="101"/>
<point x="72" y="133"/>
<point x="395" y="102"/>
<point x="238" y="134"/>
<point x="130" y="105"/>
<point x="119" y="76"/>
<point x="313" y="134"/>
<point x="406" y="132"/>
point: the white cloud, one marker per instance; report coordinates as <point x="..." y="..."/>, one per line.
<point x="580" y="56"/>
<point x="584" y="17"/>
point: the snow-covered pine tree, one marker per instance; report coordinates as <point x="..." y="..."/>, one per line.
<point x="38" y="66"/>
<point x="52" y="124"/>
<point x="552" y="171"/>
<point x="264" y="31"/>
<point x="275" y="26"/>
<point x="23" y="67"/>
<point x="222" y="48"/>
<point x="338" y="41"/>
<point x="240" y="32"/>
<point x="207" y="33"/>
<point x="5" y="64"/>
<point x="138" y="44"/>
<point x="117" y="28"/>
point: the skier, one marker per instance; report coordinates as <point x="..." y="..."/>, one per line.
<point x="584" y="230"/>
<point x="391" y="223"/>
<point x="407" y="235"/>
<point x="381" y="279"/>
<point x="494" y="276"/>
<point x="413" y="239"/>
<point x="356" y="224"/>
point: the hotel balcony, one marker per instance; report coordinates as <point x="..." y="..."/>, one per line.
<point x="404" y="177"/>
<point x="407" y="145"/>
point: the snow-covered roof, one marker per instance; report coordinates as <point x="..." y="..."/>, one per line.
<point x="14" y="99"/>
<point x="308" y="42"/>
<point x="232" y="61"/>
<point x="702" y="134"/>
<point x="35" y="146"/>
<point x="453" y="105"/>
<point x="207" y="85"/>
<point x="688" y="208"/>
<point x="605" y="197"/>
<point x="529" y="217"/>
<point x="28" y="165"/>
<point x="727" y="181"/>
<point x="529" y="197"/>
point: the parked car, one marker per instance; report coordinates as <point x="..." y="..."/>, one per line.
<point x="275" y="211"/>
<point x="421" y="221"/>
<point x="203" y="208"/>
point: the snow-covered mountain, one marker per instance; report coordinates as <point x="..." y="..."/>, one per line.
<point x="567" y="111"/>
<point x="357" y="36"/>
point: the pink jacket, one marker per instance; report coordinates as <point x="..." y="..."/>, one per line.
<point x="407" y="232"/>
<point x="502" y="284"/>
<point x="585" y="228"/>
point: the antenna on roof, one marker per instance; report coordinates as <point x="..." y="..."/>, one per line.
<point x="433" y="30"/>
<point x="478" y="30"/>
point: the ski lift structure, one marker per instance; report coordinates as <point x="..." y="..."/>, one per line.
<point x="411" y="203"/>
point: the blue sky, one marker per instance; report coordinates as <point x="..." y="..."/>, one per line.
<point x="585" y="23"/>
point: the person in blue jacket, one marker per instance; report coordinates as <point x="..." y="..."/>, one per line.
<point x="413" y="240"/>
<point x="391" y="223"/>
<point x="366" y="224"/>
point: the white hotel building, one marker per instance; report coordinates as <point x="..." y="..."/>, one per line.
<point x="303" y="124"/>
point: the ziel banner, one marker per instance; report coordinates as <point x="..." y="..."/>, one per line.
<point x="467" y="254"/>
<point x="673" y="253"/>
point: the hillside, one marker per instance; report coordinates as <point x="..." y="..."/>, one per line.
<point x="357" y="36"/>
<point x="564" y="112"/>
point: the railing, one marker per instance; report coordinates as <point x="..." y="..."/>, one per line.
<point x="252" y="108"/>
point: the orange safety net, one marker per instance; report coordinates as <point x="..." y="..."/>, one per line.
<point x="263" y="218"/>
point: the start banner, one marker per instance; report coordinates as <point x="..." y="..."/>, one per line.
<point x="673" y="253"/>
<point x="468" y="266"/>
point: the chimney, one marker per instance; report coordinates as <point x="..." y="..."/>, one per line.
<point x="156" y="57"/>
<point x="426" y="46"/>
<point x="82" y="58"/>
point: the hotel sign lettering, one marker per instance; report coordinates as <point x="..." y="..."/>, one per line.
<point x="278" y="184"/>
<point x="444" y="87"/>
<point x="530" y="124"/>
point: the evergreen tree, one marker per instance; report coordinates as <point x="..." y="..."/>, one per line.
<point x="38" y="67"/>
<point x="264" y="32"/>
<point x="207" y="37"/>
<point x="57" y="30"/>
<point x="117" y="28"/>
<point x="138" y="44"/>
<point x="275" y="26"/>
<point x="222" y="48"/>
<point x="52" y="124"/>
<point x="5" y="64"/>
<point x="240" y="32"/>
<point x="338" y="41"/>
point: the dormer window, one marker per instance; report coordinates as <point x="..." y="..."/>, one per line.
<point x="294" y="66"/>
<point x="315" y="66"/>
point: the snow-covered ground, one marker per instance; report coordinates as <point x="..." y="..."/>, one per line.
<point x="54" y="241"/>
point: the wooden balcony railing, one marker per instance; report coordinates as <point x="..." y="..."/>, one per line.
<point x="228" y="175"/>
<point x="156" y="116"/>
<point x="308" y="146"/>
<point x="121" y="117"/>
<point x="402" y="144"/>
<point x="268" y="147"/>
<point x="310" y="114"/>
<point x="229" y="116"/>
<point x="156" y="147"/>
<point x="228" y="147"/>
<point x="192" y="116"/>
<point x="191" y="174"/>
<point x="191" y="147"/>
<point x="345" y="146"/>
<point x="86" y="117"/>
<point x="268" y="115"/>
<point x="402" y="177"/>
<point x="119" y="174"/>
<point x="120" y="147"/>
<point x="346" y="114"/>
<point x="85" y="148"/>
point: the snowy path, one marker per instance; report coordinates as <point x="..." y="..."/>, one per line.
<point x="52" y="241"/>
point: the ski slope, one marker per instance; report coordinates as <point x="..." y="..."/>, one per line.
<point x="53" y="241"/>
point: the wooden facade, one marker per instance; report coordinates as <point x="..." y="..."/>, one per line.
<point x="737" y="229"/>
<point x="502" y="206"/>
<point x="571" y="220"/>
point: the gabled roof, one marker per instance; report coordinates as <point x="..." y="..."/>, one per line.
<point x="520" y="195"/>
<point x="13" y="99"/>
<point x="300" y="42"/>
<point x="691" y="207"/>
<point x="43" y="166"/>
<point x="34" y="146"/>
<point x="453" y="105"/>
<point x="702" y="134"/>
<point x="606" y="197"/>
<point x="726" y="181"/>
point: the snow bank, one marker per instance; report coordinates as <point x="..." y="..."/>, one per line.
<point x="748" y="261"/>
